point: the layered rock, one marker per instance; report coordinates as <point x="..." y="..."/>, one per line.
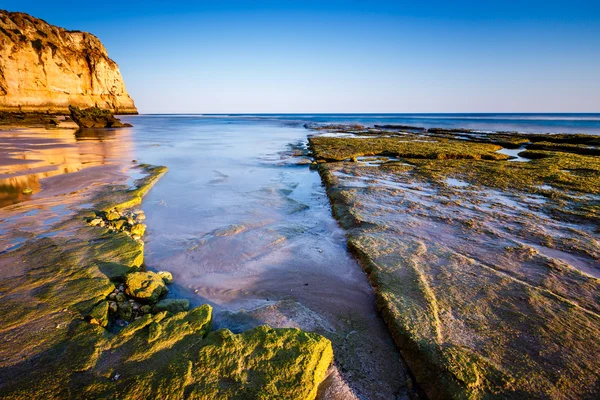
<point x="485" y="270"/>
<point x="44" y="68"/>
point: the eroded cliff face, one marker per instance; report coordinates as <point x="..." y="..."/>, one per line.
<point x="44" y="68"/>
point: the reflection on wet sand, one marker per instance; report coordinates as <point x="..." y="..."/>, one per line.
<point x="61" y="166"/>
<point x="29" y="156"/>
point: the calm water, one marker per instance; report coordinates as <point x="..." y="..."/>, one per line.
<point x="535" y="123"/>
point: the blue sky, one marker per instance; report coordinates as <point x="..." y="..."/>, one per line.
<point x="346" y="56"/>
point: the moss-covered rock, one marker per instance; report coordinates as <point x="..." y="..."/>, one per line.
<point x="166" y="276"/>
<point x="145" y="286"/>
<point x="99" y="314"/>
<point x="50" y="349"/>
<point x="484" y="269"/>
<point x="171" y="305"/>
<point x="138" y="229"/>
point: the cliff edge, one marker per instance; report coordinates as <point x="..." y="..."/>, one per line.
<point x="44" y="68"/>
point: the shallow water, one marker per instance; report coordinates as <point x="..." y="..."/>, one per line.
<point x="244" y="225"/>
<point x="240" y="220"/>
<point x="63" y="170"/>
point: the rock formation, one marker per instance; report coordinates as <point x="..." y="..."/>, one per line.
<point x="44" y="68"/>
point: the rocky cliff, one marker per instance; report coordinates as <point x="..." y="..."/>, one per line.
<point x="44" y="68"/>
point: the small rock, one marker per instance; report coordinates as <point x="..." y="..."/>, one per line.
<point x="119" y="224"/>
<point x="146" y="309"/>
<point x="145" y="286"/>
<point x="125" y="311"/>
<point x="138" y="229"/>
<point x="120" y="297"/>
<point x="95" y="221"/>
<point x="27" y="190"/>
<point x="166" y="276"/>
<point x="112" y="296"/>
<point x="113" y="307"/>
<point x="113" y="216"/>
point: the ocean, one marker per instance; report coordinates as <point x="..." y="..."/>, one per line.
<point x="587" y="123"/>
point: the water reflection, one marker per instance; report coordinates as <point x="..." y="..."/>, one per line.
<point x="29" y="156"/>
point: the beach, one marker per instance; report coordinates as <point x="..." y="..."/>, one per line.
<point x="244" y="224"/>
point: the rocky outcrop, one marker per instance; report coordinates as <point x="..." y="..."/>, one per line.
<point x="485" y="270"/>
<point x="58" y="338"/>
<point x="95" y="117"/>
<point x="44" y="68"/>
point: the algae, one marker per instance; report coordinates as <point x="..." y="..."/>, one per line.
<point x="489" y="286"/>
<point x="53" y="310"/>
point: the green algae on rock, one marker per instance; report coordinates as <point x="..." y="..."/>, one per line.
<point x="145" y="286"/>
<point x="172" y="305"/>
<point x="485" y="270"/>
<point x="53" y="306"/>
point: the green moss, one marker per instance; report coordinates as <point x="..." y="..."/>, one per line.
<point x="172" y="305"/>
<point x="339" y="149"/>
<point x="99" y="314"/>
<point x="49" y="348"/>
<point x="473" y="317"/>
<point x="145" y="286"/>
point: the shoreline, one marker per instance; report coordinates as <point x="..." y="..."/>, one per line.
<point x="77" y="345"/>
<point x="366" y="175"/>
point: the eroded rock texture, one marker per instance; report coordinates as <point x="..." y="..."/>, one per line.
<point x="44" y="68"/>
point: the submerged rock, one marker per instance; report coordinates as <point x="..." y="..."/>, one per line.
<point x="145" y="286"/>
<point x="171" y="305"/>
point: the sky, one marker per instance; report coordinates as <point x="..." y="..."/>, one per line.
<point x="345" y="56"/>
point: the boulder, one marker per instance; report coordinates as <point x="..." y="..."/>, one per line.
<point x="95" y="117"/>
<point x="113" y="216"/>
<point x="145" y="286"/>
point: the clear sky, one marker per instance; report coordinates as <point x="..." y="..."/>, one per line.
<point x="345" y="56"/>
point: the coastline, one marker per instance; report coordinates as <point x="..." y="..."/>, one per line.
<point x="55" y="351"/>
<point x="448" y="242"/>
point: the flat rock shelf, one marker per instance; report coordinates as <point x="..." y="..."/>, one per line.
<point x="485" y="270"/>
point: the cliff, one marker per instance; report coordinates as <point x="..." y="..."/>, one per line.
<point x="44" y="68"/>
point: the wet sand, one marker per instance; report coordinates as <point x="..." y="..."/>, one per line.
<point x="63" y="171"/>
